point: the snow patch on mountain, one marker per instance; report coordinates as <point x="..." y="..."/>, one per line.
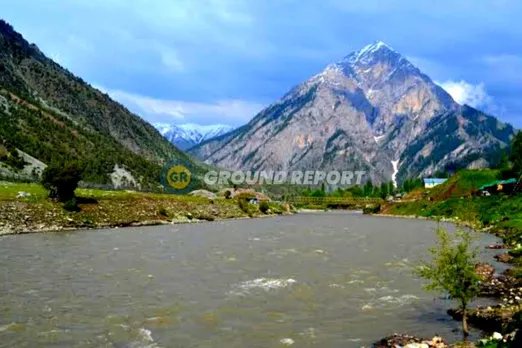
<point x="395" y="165"/>
<point x="188" y="135"/>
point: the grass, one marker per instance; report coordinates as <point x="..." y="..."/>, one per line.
<point x="499" y="214"/>
<point x="463" y="183"/>
<point x="9" y="191"/>
<point x="98" y="208"/>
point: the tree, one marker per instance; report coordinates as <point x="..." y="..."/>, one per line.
<point x="384" y="192"/>
<point x="62" y="180"/>
<point x="368" y="188"/>
<point x="452" y="270"/>
<point x="516" y="153"/>
<point x="391" y="188"/>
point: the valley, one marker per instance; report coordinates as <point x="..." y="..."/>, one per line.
<point x="198" y="264"/>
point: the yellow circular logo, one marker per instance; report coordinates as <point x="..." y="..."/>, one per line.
<point x="178" y="177"/>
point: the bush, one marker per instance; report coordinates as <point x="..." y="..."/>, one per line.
<point x="71" y="205"/>
<point x="264" y="207"/>
<point x="206" y="217"/>
<point x="243" y="205"/>
<point x="61" y="180"/>
<point x="372" y="209"/>
<point x="246" y="207"/>
<point x="163" y="212"/>
<point x="277" y="208"/>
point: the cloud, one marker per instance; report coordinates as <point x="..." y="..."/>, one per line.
<point x="467" y="93"/>
<point x="228" y="111"/>
<point x="171" y="60"/>
<point x="214" y="52"/>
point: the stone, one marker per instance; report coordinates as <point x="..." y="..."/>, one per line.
<point x="496" y="246"/>
<point x="497" y="336"/>
<point x="484" y="270"/>
<point x="417" y="345"/>
<point x="504" y="258"/>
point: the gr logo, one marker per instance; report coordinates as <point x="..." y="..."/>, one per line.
<point x="177" y="178"/>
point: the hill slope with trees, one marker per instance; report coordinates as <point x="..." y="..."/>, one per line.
<point x="52" y="115"/>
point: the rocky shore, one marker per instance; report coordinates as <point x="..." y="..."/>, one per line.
<point x="503" y="317"/>
<point x="98" y="209"/>
<point x="408" y="341"/>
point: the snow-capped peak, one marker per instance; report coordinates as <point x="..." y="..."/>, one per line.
<point x="367" y="52"/>
<point x="187" y="135"/>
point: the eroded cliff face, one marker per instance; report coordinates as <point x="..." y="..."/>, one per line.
<point x="365" y="112"/>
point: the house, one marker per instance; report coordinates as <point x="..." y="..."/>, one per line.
<point x="432" y="182"/>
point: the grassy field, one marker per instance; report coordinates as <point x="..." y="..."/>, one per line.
<point x="100" y="209"/>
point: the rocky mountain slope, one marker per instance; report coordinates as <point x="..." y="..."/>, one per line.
<point x="50" y="114"/>
<point x="186" y="136"/>
<point x="372" y="111"/>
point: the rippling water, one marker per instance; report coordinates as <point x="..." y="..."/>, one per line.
<point x="316" y="279"/>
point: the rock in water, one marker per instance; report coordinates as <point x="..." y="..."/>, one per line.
<point x="484" y="270"/>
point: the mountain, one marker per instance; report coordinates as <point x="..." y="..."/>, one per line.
<point x="188" y="135"/>
<point x="49" y="114"/>
<point x="373" y="111"/>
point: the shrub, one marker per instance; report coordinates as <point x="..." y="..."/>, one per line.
<point x="243" y="205"/>
<point x="163" y="212"/>
<point x="206" y="217"/>
<point x="277" y="208"/>
<point x="246" y="207"/>
<point x="61" y="180"/>
<point x="372" y="209"/>
<point x="264" y="207"/>
<point x="71" y="205"/>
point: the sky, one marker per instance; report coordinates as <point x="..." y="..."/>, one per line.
<point x="222" y="61"/>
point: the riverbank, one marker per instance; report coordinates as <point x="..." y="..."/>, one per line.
<point x="24" y="208"/>
<point x="499" y="215"/>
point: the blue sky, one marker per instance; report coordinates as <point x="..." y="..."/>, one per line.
<point x="221" y="61"/>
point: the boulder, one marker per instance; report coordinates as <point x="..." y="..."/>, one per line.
<point x="408" y="341"/>
<point x="203" y="193"/>
<point x="506" y="258"/>
<point x="484" y="270"/>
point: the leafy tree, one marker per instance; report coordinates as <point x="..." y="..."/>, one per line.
<point x="62" y="180"/>
<point x="452" y="270"/>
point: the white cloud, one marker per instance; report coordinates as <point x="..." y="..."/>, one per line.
<point x="466" y="93"/>
<point x="171" y="60"/>
<point x="228" y="111"/>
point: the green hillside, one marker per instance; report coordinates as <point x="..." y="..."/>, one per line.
<point x="50" y="114"/>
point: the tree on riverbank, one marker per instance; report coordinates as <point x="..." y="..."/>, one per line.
<point x="452" y="270"/>
<point x="61" y="179"/>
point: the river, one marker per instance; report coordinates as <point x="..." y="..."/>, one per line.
<point x="329" y="279"/>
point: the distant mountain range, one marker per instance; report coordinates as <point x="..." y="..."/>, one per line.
<point x="372" y="111"/>
<point x="186" y="136"/>
<point x="47" y="114"/>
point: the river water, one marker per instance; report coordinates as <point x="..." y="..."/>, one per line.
<point x="331" y="279"/>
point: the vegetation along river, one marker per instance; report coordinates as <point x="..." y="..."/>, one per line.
<point x="329" y="279"/>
